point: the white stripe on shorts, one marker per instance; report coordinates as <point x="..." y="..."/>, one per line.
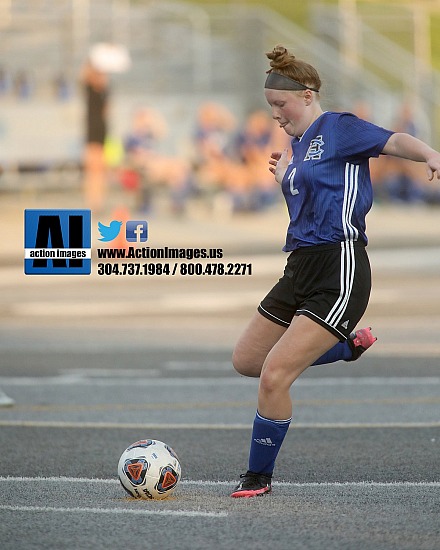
<point x="348" y="262"/>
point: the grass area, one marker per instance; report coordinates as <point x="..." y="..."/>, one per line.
<point x="291" y="9"/>
<point x="435" y="41"/>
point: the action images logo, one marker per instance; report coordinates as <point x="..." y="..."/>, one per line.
<point x="57" y="242"/>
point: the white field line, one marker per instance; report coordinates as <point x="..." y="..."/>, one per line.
<point x="202" y="426"/>
<point x="114" y="511"/>
<point x="80" y="380"/>
<point x="200" y="483"/>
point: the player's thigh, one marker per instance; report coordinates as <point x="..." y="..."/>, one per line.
<point x="300" y="346"/>
<point x="252" y="348"/>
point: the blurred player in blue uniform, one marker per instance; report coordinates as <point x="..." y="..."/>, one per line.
<point x="310" y="315"/>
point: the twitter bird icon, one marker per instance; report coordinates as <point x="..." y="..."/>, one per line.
<point x="108" y="233"/>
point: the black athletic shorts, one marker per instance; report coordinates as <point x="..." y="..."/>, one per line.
<point x="331" y="284"/>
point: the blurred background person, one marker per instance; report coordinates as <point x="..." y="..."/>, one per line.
<point x="95" y="85"/>
<point x="255" y="143"/>
<point x="404" y="180"/>
<point x="5" y="81"/>
<point x="214" y="171"/>
<point x="146" y="170"/>
<point x="24" y="85"/>
<point x="61" y="87"/>
<point x="146" y="131"/>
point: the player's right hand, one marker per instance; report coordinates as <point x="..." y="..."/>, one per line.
<point x="279" y="161"/>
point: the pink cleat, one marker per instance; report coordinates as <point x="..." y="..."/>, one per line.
<point x="252" y="485"/>
<point x="360" y="341"/>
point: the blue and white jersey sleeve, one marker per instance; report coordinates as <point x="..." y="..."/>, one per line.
<point x="327" y="184"/>
<point x="357" y="138"/>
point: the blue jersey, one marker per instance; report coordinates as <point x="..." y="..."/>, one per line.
<point x="327" y="184"/>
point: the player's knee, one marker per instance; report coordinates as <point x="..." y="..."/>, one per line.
<point x="270" y="381"/>
<point x="239" y="361"/>
<point x="244" y="364"/>
<point x="275" y="377"/>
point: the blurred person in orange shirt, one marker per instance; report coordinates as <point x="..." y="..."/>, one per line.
<point x="260" y="136"/>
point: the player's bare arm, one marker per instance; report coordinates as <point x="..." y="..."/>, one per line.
<point x="406" y="146"/>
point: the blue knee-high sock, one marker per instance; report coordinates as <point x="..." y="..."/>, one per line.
<point x="267" y="437"/>
<point x="340" y="351"/>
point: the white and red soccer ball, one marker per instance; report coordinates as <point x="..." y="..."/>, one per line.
<point x="149" y="469"/>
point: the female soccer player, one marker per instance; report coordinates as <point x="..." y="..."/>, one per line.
<point x="309" y="316"/>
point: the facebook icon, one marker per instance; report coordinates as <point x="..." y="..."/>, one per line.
<point x="136" y="231"/>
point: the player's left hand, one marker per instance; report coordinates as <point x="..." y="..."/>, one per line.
<point x="433" y="167"/>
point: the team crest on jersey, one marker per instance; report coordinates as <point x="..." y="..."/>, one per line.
<point x="315" y="150"/>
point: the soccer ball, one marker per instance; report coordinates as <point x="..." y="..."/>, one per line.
<point x="149" y="469"/>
